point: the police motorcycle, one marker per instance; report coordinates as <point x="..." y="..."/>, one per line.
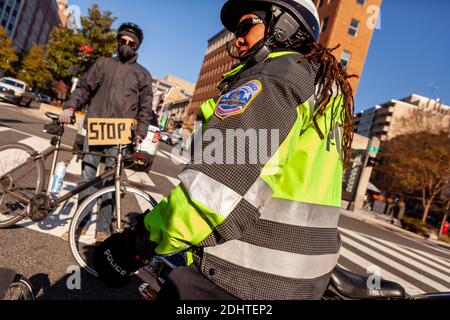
<point x="344" y="284"/>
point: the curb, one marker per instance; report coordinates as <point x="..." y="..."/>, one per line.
<point x="377" y="222"/>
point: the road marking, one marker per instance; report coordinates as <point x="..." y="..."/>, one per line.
<point x="396" y="253"/>
<point x="37" y="143"/>
<point x="74" y="167"/>
<point x="430" y="256"/>
<point x="409" y="251"/>
<point x="175" y="159"/>
<point x="139" y="177"/>
<point x="365" y="264"/>
<point x="58" y="221"/>
<point x="162" y="155"/>
<point x="30" y="135"/>
<point x="374" y="254"/>
<point x="172" y="180"/>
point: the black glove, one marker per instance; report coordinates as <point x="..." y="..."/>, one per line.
<point x="118" y="257"/>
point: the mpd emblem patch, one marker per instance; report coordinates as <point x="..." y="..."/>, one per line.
<point x="236" y="101"/>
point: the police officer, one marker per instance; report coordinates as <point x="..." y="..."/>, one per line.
<point x="115" y="88"/>
<point x="265" y="230"/>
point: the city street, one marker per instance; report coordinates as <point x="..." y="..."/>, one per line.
<point x="38" y="252"/>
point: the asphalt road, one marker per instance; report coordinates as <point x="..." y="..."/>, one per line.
<point x="38" y="252"/>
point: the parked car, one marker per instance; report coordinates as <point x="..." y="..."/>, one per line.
<point x="164" y="137"/>
<point x="44" y="98"/>
<point x="7" y="95"/>
<point x="147" y="150"/>
<point x="174" y="139"/>
<point x="22" y="92"/>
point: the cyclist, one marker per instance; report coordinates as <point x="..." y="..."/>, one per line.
<point x="116" y="88"/>
<point x="266" y="230"/>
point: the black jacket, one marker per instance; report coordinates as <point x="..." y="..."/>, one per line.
<point x="116" y="90"/>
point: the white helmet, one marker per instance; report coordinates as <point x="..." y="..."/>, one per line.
<point x="291" y="17"/>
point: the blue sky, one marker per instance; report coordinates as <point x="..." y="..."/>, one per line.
<point x="410" y="53"/>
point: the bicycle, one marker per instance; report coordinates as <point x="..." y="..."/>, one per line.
<point x="21" y="190"/>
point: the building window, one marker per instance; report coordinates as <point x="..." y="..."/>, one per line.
<point x="361" y="2"/>
<point x="353" y="29"/>
<point x="345" y="58"/>
<point x="325" y="24"/>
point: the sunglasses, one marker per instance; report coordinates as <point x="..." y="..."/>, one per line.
<point x="124" y="42"/>
<point x="246" y="25"/>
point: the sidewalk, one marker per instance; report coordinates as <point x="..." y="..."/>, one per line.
<point x="384" y="221"/>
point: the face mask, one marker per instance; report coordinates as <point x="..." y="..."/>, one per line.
<point x="126" y="52"/>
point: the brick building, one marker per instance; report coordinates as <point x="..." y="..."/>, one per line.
<point x="351" y="24"/>
<point x="215" y="64"/>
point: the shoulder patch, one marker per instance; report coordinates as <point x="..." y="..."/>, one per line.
<point x="236" y="101"/>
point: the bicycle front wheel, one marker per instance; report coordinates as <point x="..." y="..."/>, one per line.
<point x="95" y="217"/>
<point x="20" y="174"/>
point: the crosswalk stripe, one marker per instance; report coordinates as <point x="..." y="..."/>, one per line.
<point x="163" y="155"/>
<point x="353" y="257"/>
<point x="430" y="256"/>
<point x="172" y="180"/>
<point x="409" y="252"/>
<point x="394" y="264"/>
<point x="38" y="144"/>
<point x="396" y="253"/>
<point x="74" y="167"/>
<point x="30" y="135"/>
<point x="139" y="177"/>
<point x="174" y="158"/>
<point x="58" y="222"/>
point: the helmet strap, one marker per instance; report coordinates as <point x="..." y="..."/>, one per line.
<point x="256" y="54"/>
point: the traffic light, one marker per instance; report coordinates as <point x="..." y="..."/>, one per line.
<point x="85" y="52"/>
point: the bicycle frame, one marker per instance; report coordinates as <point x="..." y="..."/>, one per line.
<point x="57" y="147"/>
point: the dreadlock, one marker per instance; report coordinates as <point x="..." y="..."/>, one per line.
<point x="332" y="73"/>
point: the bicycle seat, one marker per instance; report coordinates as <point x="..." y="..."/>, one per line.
<point x="354" y="286"/>
<point x="52" y="116"/>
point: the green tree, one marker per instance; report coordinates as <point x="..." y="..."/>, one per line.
<point x="62" y="53"/>
<point x="7" y="53"/>
<point x="34" y="68"/>
<point x="417" y="163"/>
<point x="64" y="45"/>
<point x="98" y="32"/>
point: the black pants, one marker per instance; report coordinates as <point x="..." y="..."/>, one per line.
<point x="188" y="283"/>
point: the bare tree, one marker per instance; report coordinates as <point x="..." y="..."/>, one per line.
<point x="430" y="118"/>
<point x="417" y="163"/>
